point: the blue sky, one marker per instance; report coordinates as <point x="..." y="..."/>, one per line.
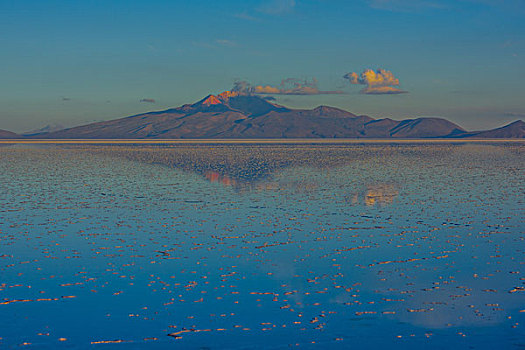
<point x="72" y="62"/>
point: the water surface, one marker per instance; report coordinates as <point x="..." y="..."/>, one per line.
<point x="262" y="246"/>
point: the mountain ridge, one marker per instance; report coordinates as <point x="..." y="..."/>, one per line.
<point x="515" y="129"/>
<point x="5" y="134"/>
<point x="236" y="115"/>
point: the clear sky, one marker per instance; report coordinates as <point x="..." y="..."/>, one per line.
<point x="72" y="62"/>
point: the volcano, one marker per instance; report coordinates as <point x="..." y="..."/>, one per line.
<point x="235" y="115"/>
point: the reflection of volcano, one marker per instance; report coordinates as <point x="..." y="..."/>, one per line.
<point x="257" y="166"/>
<point x="214" y="176"/>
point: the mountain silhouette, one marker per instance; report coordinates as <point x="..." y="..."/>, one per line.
<point x="4" y="134"/>
<point x="510" y="131"/>
<point x="235" y="115"/>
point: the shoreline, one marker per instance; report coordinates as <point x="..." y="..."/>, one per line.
<point x="248" y="141"/>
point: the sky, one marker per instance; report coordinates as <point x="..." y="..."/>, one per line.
<point x="75" y="62"/>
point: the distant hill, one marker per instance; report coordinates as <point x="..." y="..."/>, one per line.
<point x="4" y="134"/>
<point x="233" y="115"/>
<point x="411" y="128"/>
<point x="510" y="131"/>
<point x="46" y="129"/>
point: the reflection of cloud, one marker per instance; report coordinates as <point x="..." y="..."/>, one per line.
<point x="379" y="82"/>
<point x="456" y="307"/>
<point x="380" y="195"/>
<point x="289" y="86"/>
<point x="376" y="195"/>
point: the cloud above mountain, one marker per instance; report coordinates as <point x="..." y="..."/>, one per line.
<point x="377" y="82"/>
<point x="289" y="86"/>
<point x="148" y="100"/>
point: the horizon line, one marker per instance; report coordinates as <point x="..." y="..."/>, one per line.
<point x="259" y="141"/>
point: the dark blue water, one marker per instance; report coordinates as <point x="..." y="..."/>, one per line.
<point x="252" y="247"/>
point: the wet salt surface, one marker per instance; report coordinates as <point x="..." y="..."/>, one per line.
<point x="269" y="246"/>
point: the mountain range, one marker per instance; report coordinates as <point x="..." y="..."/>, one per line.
<point x="233" y="115"/>
<point x="46" y="129"/>
<point x="4" y="134"/>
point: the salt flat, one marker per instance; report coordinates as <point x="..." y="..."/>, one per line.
<point x="228" y="245"/>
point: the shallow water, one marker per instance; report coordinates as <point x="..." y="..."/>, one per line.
<point x="262" y="246"/>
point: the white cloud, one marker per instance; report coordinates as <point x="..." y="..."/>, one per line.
<point x="378" y="82"/>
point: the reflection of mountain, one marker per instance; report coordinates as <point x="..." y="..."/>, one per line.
<point x="229" y="165"/>
<point x="263" y="167"/>
<point x="233" y="115"/>
<point x="214" y="176"/>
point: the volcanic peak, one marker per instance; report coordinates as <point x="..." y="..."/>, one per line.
<point x="222" y="98"/>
